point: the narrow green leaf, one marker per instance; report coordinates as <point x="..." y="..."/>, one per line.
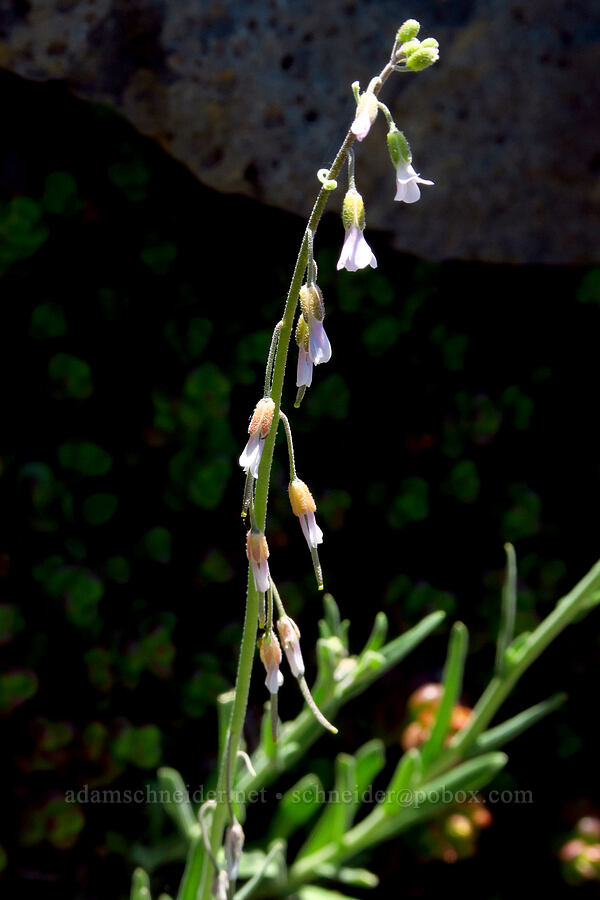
<point x="297" y="806"/>
<point x="370" y="760"/>
<point x="378" y="634"/>
<point x="140" y="885"/>
<point x="332" y="614"/>
<point x="337" y="816"/>
<point x="405" y="776"/>
<point x="175" y="799"/>
<point x="312" y="892"/>
<point x="356" y="877"/>
<point x="401" y="646"/>
<point x="224" y="707"/>
<point x="509" y="608"/>
<point x="190" y="883"/>
<point x="452" y="681"/>
<point x="499" y="735"/>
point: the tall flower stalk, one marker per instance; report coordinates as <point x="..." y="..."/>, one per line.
<point x="399" y="60"/>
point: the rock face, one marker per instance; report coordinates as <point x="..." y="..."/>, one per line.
<point x="255" y="97"/>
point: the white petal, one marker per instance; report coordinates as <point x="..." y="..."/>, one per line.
<point x="260" y="571"/>
<point x="346" y="256"/>
<point x="411" y="192"/>
<point x="316" y="534"/>
<point x="249" y="451"/>
<point x="361" y="125"/>
<point x="274" y="679"/>
<point x="363" y="255"/>
<point x="319" y="348"/>
<point x="294" y="658"/>
<point x="305" y="369"/>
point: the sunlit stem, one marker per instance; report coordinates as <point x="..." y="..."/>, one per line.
<point x="299" y="396"/>
<point x="271" y="358"/>
<point x="247" y="762"/>
<point x="386" y="113"/>
<point x="290" y="443"/>
<point x="311" y="266"/>
<point x="313" y="706"/>
<point x="351" y="181"/>
<point x="278" y="600"/>
<point x="209" y="804"/>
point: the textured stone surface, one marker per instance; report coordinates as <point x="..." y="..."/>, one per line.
<point x="254" y="98"/>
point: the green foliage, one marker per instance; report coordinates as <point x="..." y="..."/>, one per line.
<point x="22" y="230"/>
<point x="16" y="687"/>
<point x="84" y="457"/>
<point x="48" y="321"/>
<point x="411" y="504"/>
<point x="60" y="194"/>
<point x="72" y="376"/>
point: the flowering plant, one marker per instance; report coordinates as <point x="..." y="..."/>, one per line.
<point x="451" y="750"/>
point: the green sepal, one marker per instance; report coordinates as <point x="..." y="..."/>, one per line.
<point x="398" y="148"/>
<point x="378" y="634"/>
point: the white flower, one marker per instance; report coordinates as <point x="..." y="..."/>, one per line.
<point x="260" y="425"/>
<point x="356" y="253"/>
<point x="304" y="506"/>
<point x="407" y="182"/>
<point x="270" y="654"/>
<point x="366" y="113"/>
<point x="290" y="638"/>
<point x="305" y="369"/>
<point x="258" y="554"/>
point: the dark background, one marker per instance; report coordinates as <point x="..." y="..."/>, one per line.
<point x="458" y="412"/>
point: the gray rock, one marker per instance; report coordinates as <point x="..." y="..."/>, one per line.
<point x="255" y="97"/>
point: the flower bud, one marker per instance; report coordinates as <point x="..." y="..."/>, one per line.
<point x="270" y="654"/>
<point x="409" y="47"/>
<point x="459" y="827"/>
<point x="422" y="58"/>
<point x="408" y="30"/>
<point x="353" y="210"/>
<point x="430" y="42"/>
<point x="290" y="638"/>
<point x="234" y="841"/>
<point x="220" y="888"/>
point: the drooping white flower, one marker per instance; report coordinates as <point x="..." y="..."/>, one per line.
<point x="234" y="842"/>
<point x="315" y="341"/>
<point x="290" y="638"/>
<point x="305" y="507"/>
<point x="407" y="180"/>
<point x="356" y="253"/>
<point x="319" y="348"/>
<point x="407" y="183"/>
<point x="258" y="429"/>
<point x="366" y="113"/>
<point x="257" y="551"/>
<point x="270" y="654"/>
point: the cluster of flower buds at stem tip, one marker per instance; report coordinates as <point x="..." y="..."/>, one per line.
<point x="411" y="53"/>
<point x="258" y="429"/>
<point x="304" y="506"/>
<point x="356" y="253"/>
